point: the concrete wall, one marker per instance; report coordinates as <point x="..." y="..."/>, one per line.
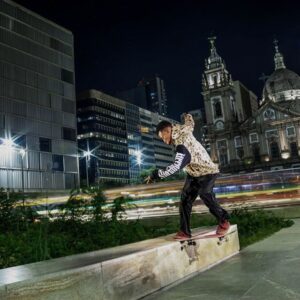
<point x="126" y="272"/>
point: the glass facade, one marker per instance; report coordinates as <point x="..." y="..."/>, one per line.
<point x="37" y="101"/>
<point x="136" y="160"/>
<point x="102" y="129"/>
<point x="121" y="137"/>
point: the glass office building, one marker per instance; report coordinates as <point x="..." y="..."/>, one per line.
<point x="37" y="102"/>
<point x="121" y="138"/>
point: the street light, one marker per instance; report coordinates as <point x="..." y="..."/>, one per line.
<point x="22" y="153"/>
<point x="7" y="143"/>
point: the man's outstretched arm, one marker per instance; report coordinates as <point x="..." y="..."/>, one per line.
<point x="182" y="158"/>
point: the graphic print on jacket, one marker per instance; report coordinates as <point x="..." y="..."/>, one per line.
<point x="190" y="154"/>
<point x="182" y="158"/>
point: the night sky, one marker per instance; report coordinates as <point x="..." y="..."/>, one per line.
<point x="117" y="43"/>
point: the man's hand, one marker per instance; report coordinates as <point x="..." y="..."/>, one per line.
<point x="148" y="180"/>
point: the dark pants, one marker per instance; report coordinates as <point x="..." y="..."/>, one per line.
<point x="202" y="186"/>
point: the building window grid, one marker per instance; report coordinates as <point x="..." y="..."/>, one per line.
<point x="101" y="129"/>
<point x="35" y="22"/>
<point x="106" y="105"/>
<point x="113" y="163"/>
<point x="103" y="119"/>
<point x="110" y="147"/>
<point x="102" y="110"/>
<point x="103" y="136"/>
<point x="35" y="49"/>
<point x="32" y="88"/>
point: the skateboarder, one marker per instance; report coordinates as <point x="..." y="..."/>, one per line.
<point x="201" y="174"/>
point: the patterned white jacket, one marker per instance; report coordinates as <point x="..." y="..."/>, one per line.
<point x="190" y="154"/>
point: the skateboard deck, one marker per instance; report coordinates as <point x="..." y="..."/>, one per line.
<point x="202" y="236"/>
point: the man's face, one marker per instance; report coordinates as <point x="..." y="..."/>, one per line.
<point x="166" y="135"/>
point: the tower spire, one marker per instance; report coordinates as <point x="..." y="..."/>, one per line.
<point x="212" y="43"/>
<point x="278" y="58"/>
<point x="214" y="60"/>
<point x="215" y="74"/>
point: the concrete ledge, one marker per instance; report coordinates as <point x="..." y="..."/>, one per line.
<point x="126" y="272"/>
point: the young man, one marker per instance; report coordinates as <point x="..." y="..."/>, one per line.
<point x="201" y="174"/>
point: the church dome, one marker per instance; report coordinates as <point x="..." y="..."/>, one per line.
<point x="283" y="84"/>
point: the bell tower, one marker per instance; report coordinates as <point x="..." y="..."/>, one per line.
<point x="220" y="104"/>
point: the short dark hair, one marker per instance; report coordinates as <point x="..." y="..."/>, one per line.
<point x="162" y="125"/>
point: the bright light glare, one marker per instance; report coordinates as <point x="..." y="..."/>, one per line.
<point x="285" y="155"/>
<point x="138" y="155"/>
<point x="87" y="153"/>
<point x="7" y="143"/>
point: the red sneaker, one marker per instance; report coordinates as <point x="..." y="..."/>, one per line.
<point x="223" y="227"/>
<point x="180" y="235"/>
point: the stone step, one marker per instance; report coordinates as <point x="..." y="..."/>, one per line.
<point x="126" y="272"/>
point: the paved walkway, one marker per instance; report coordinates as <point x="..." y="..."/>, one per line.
<point x="269" y="269"/>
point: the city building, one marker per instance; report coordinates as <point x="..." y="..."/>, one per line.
<point x="118" y="139"/>
<point x="243" y="136"/>
<point x="37" y="102"/>
<point x="150" y="94"/>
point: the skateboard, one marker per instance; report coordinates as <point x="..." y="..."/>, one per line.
<point x="203" y="235"/>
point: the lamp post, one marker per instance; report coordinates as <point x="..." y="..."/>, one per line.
<point x="22" y="153"/>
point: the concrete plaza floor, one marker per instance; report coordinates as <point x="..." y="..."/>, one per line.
<point x="269" y="269"/>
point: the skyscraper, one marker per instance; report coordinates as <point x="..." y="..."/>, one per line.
<point x="121" y="137"/>
<point x="150" y="94"/>
<point x="37" y="102"/>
